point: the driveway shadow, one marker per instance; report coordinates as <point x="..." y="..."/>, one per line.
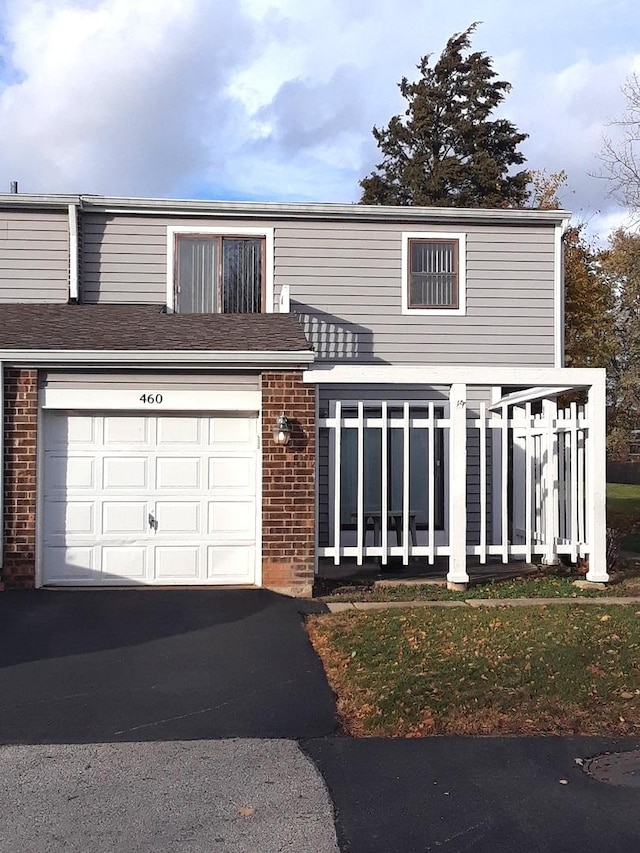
<point x="112" y="665"/>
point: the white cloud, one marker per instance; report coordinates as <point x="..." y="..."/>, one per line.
<point x="118" y="96"/>
<point x="275" y="99"/>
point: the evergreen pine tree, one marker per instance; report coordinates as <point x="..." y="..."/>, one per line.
<point x="446" y="150"/>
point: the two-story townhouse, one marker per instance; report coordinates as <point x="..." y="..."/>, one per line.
<point x="203" y="392"/>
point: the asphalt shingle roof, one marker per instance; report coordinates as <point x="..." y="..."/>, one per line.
<point x="144" y="327"/>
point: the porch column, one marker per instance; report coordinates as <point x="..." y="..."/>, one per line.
<point x="457" y="574"/>
<point x="597" y="481"/>
<point x="550" y="410"/>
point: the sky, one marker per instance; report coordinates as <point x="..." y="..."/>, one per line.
<point x="274" y="100"/>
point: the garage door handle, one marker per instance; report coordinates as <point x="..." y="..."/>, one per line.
<point x="153" y="524"/>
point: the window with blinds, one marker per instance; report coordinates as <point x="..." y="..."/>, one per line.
<point x="433" y="274"/>
<point x="219" y="274"/>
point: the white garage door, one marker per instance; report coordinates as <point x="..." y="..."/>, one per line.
<point x="137" y="499"/>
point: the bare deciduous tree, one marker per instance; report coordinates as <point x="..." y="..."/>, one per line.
<point x="620" y="154"/>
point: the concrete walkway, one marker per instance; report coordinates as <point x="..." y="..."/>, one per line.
<point x="343" y="606"/>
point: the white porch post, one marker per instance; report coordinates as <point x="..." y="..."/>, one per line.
<point x="458" y="486"/>
<point x="550" y="410"/>
<point x="597" y="481"/>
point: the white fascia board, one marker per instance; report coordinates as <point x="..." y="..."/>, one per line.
<point x="203" y="207"/>
<point x="249" y="231"/>
<point x="321" y="211"/>
<point x="423" y="374"/>
<point x="166" y="358"/>
<point x="516" y="398"/>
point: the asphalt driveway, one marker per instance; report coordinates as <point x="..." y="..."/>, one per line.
<point x="157" y="665"/>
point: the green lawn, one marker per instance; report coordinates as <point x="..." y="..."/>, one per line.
<point x="623" y="513"/>
<point x="538" y="670"/>
<point x="545" y="584"/>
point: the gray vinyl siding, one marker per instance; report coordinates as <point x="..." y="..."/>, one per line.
<point x="34" y="256"/>
<point x="124" y="258"/>
<point x="157" y="381"/>
<point x="351" y="393"/>
<point x="345" y="282"/>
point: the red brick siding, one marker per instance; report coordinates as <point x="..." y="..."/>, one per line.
<point x="19" y="474"/>
<point x="288" y="491"/>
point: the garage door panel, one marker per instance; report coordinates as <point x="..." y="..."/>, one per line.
<point x="181" y="432"/>
<point x="68" y="431"/>
<point x="178" y="472"/>
<point x="72" y="564"/>
<point x="178" y="517"/>
<point x="127" y="431"/>
<point x="124" y="563"/>
<point x="232" y="431"/>
<point x="125" y="472"/>
<point x="177" y="563"/>
<point x="231" y="519"/>
<point x="70" y="517"/>
<point x="235" y="473"/>
<point x="64" y="473"/>
<point x="122" y="517"/>
<point x="231" y="565"/>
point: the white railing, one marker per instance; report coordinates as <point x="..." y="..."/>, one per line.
<point x="397" y="475"/>
<point x="362" y="529"/>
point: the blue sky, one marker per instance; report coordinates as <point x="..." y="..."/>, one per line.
<point x="275" y="99"/>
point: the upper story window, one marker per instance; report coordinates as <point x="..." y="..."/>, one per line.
<point x="226" y="271"/>
<point x="433" y="273"/>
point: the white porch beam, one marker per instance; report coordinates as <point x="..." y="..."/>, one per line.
<point x="597" y="482"/>
<point x="421" y="374"/>
<point x="530" y="395"/>
<point x="458" y="485"/>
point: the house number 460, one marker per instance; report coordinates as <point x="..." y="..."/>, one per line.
<point x="151" y="398"/>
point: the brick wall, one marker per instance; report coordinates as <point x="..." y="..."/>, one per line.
<point x="19" y="470"/>
<point x="288" y="493"/>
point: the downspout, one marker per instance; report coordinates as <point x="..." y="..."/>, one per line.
<point x="74" y="290"/>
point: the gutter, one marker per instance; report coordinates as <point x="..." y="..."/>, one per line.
<point x="284" y="210"/>
<point x="168" y="358"/>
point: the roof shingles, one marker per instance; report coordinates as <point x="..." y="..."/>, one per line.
<point x="144" y="327"/>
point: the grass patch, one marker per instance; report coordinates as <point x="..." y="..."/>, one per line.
<point x="623" y="510"/>
<point x="547" y="583"/>
<point x="631" y="543"/>
<point x="543" y="670"/>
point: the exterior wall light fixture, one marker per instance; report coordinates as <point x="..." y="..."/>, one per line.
<point x="282" y="430"/>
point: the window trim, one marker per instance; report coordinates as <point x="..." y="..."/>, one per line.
<point x="460" y="238"/>
<point x="174" y="231"/>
